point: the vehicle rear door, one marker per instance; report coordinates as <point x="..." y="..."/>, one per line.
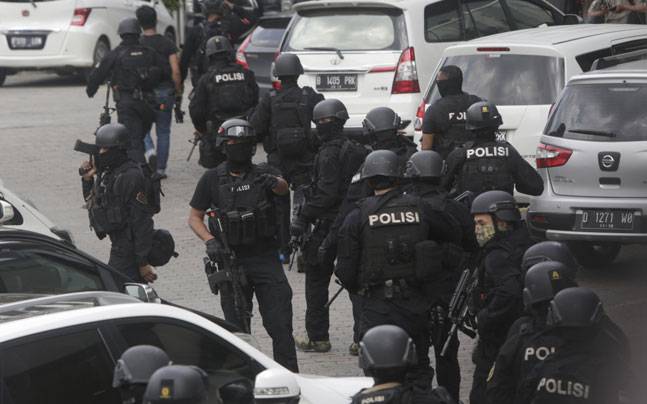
<point x="262" y="48"/>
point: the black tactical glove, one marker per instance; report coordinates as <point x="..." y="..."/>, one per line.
<point x="298" y="227"/>
<point x="267" y="182"/>
<point x="215" y="250"/>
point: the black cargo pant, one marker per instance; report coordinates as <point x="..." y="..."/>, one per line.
<point x="266" y="279"/>
<point x="448" y="372"/>
<point x="138" y="116"/>
<point x="410" y="315"/>
<point x="483" y="357"/>
<point x="123" y="258"/>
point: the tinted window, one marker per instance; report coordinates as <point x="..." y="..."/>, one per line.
<point x="357" y="29"/>
<point x="480" y="18"/>
<point x="188" y="345"/>
<point x="529" y="15"/>
<point x="267" y="37"/>
<point x="73" y="368"/>
<point x="442" y="23"/>
<point x="509" y="79"/>
<point x="617" y="109"/>
<point x="43" y="271"/>
<point x="484" y="18"/>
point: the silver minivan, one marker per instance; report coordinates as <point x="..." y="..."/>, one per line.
<point x="593" y="159"/>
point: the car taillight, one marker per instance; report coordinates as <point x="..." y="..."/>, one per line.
<point x="551" y="156"/>
<point x="493" y="49"/>
<point x="406" y="74"/>
<point x="241" y="59"/>
<point x="80" y="16"/>
<point x="420" y="114"/>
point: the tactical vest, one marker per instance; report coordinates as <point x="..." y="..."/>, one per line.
<point x="391" y="228"/>
<point x="486" y="168"/>
<point x="228" y="92"/>
<point x="290" y="124"/>
<point x="393" y="395"/>
<point x="136" y="70"/>
<point x="247" y="212"/>
<point x="568" y="378"/>
<point x="108" y="213"/>
<point x="536" y="345"/>
<point x="455" y="136"/>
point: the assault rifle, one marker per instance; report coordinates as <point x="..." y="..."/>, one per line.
<point x="194" y="142"/>
<point x="227" y="275"/>
<point x="105" y="118"/>
<point x="87" y="148"/>
<point x="459" y="307"/>
<point x="336" y="295"/>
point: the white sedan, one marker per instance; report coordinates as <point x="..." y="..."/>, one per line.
<point x="66" y="36"/>
<point x="63" y="349"/>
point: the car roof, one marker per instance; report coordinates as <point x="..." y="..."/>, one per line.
<point x="319" y="4"/>
<point x="611" y="74"/>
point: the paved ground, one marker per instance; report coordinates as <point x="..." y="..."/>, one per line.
<point x="42" y="115"/>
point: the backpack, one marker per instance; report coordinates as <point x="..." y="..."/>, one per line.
<point x="291" y="136"/>
<point x="228" y="92"/>
<point x="136" y="69"/>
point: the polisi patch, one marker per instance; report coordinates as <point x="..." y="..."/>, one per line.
<point x="136" y="53"/>
<point x="489" y="151"/>
<point x="564" y="387"/>
<point x="394" y="218"/>
<point x="540" y="353"/>
<point x="227" y="77"/>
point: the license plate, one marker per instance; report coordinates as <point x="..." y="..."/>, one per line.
<point x="337" y="82"/>
<point x="27" y="42"/>
<point x="607" y="219"/>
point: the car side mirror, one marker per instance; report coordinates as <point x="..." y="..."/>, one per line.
<point x="276" y="384"/>
<point x="143" y="292"/>
<point x="572" y="19"/>
<point x="6" y="212"/>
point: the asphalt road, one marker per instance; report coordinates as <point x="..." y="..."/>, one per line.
<point x="41" y="116"/>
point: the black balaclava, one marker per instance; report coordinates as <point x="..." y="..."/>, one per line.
<point x="380" y="182"/>
<point x="111" y="159"/>
<point x="485" y="135"/>
<point x="130" y="39"/>
<point x="239" y="155"/>
<point x="329" y="130"/>
<point x="453" y="84"/>
<point x="385" y="140"/>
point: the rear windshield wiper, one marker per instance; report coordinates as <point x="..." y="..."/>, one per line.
<point x="593" y="132"/>
<point x="329" y="49"/>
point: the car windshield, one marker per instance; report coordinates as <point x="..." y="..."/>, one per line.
<point x="356" y="29"/>
<point x="264" y="36"/>
<point x="509" y="79"/>
<point x="601" y="113"/>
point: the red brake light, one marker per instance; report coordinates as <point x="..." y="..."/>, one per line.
<point x="383" y="69"/>
<point x="80" y="16"/>
<point x="493" y="49"/>
<point x="420" y="114"/>
<point x="241" y="59"/>
<point x="551" y="156"/>
<point x="406" y="74"/>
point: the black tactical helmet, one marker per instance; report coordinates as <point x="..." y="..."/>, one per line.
<point x="137" y="364"/>
<point x="330" y="108"/>
<point x="483" y="115"/>
<point x="381" y="119"/>
<point x="112" y="135"/>
<point x="381" y="163"/>
<point x="212" y="7"/>
<point x="551" y="251"/>
<point x="129" y="26"/>
<point x="544" y="280"/>
<point x="218" y="44"/>
<point x="386" y="347"/>
<point x="500" y="204"/>
<point x="237" y="129"/>
<point x="287" y="64"/>
<point x="163" y="248"/>
<point x="425" y="164"/>
<point x="177" y="384"/>
<point x="575" y="307"/>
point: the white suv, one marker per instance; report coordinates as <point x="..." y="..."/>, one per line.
<point x="65" y="35"/>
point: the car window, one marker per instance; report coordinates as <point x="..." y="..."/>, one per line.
<point x="521" y="79"/>
<point x="71" y="368"/>
<point x="529" y="15"/>
<point x="442" y="22"/>
<point x="484" y="18"/>
<point x="188" y="345"/>
<point x="479" y="17"/>
<point x="614" y="112"/>
<point x="267" y="37"/>
<point x="25" y="270"/>
<point x="357" y="29"/>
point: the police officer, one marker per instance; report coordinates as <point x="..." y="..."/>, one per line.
<point x="134" y="369"/>
<point x="243" y="196"/>
<point x="222" y="18"/>
<point x="486" y="163"/>
<point x="528" y="341"/>
<point x="115" y="191"/>
<point x="550" y="251"/>
<point x="386" y="252"/>
<point x="424" y="171"/>
<point x="282" y="122"/>
<point x="443" y="126"/>
<point x="335" y="163"/>
<point x="177" y="384"/>
<point x="503" y="238"/>
<point x="386" y="353"/>
<point x="134" y="71"/>
<point x="587" y="367"/>
<point x="226" y="91"/>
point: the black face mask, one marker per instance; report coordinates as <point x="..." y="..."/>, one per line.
<point x="448" y="87"/>
<point x="111" y="159"/>
<point x="379" y="183"/>
<point x="239" y="155"/>
<point x="329" y="130"/>
<point x="384" y="140"/>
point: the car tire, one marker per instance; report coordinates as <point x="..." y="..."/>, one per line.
<point x="3" y="76"/>
<point x="592" y="254"/>
<point x="101" y="49"/>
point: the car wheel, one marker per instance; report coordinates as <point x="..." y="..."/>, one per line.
<point x="3" y="76"/>
<point x="592" y="254"/>
<point x="101" y="49"/>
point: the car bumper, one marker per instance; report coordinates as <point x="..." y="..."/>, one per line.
<point x="76" y="51"/>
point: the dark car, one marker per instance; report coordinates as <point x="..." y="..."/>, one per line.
<point x="259" y="49"/>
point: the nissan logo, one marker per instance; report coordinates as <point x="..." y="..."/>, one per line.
<point x="608" y="161"/>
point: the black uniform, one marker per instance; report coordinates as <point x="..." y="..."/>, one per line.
<point x="134" y="72"/>
<point x="445" y="118"/>
<point x="118" y="207"/>
<point x="498" y="301"/>
<point x="485" y="165"/>
<point x="395" y="393"/>
<point x="226" y="91"/>
<point x="377" y="259"/>
<point x="236" y="199"/>
<point x="231" y="26"/>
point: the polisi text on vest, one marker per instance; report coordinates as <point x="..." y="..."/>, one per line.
<point x="236" y="76"/>
<point x="490" y="151"/>
<point x="406" y="217"/>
